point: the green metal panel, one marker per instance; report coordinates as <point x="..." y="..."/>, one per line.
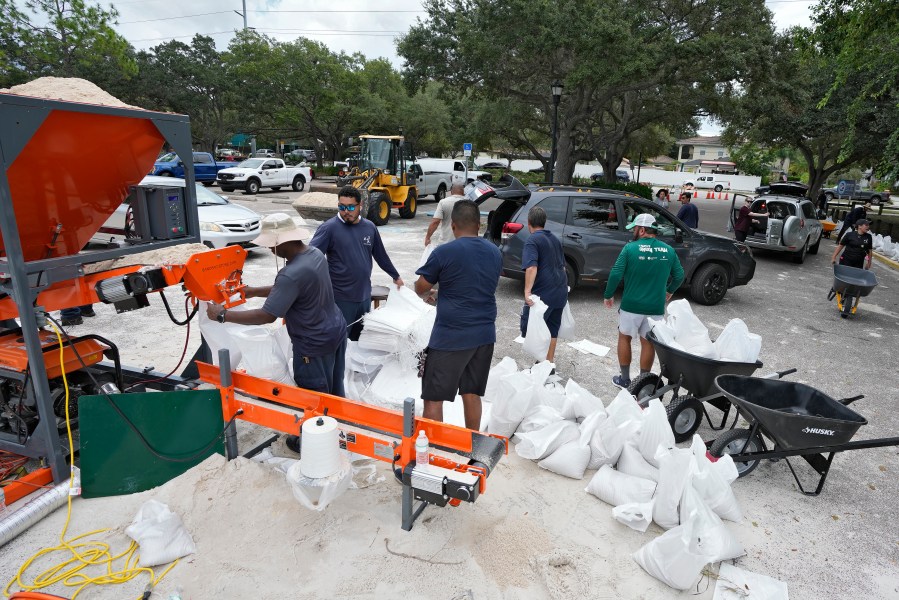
<point x="115" y="461"/>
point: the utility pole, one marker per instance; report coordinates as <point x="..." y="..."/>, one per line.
<point x="244" y="14"/>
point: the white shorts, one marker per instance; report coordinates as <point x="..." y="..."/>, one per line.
<point x="633" y="325"/>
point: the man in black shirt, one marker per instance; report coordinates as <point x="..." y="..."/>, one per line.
<point x="852" y="217"/>
<point x="856" y="246"/>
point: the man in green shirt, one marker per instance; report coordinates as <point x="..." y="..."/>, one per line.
<point x="651" y="272"/>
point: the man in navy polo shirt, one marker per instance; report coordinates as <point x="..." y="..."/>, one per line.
<point x="544" y="276"/>
<point x="350" y="243"/>
<point x="458" y="356"/>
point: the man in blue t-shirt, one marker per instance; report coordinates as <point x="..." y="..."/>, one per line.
<point x="302" y="295"/>
<point x="458" y="356"/>
<point x="688" y="213"/>
<point x="544" y="276"/>
<point x="350" y="243"/>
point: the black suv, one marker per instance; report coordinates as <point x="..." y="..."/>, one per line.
<point x="591" y="222"/>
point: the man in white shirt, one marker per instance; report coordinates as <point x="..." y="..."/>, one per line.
<point x="440" y="231"/>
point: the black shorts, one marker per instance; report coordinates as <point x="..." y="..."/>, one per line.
<point x="448" y="372"/>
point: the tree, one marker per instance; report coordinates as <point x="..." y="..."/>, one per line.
<point x="63" y="38"/>
<point x="616" y="61"/>
<point x="752" y="158"/>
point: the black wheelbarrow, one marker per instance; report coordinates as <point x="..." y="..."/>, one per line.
<point x="797" y="419"/>
<point x="850" y="284"/>
<point x="696" y="375"/>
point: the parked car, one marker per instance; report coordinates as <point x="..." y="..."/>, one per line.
<point x="622" y="175"/>
<point x="783" y="188"/>
<point x="302" y="155"/>
<point x="205" y="167"/>
<point x="709" y="182"/>
<point x="450" y="167"/>
<point x="871" y="196"/>
<point x="792" y="224"/>
<point x="255" y="173"/>
<point x="591" y="225"/>
<point x="221" y="222"/>
<point x="494" y="164"/>
<point x="265" y="153"/>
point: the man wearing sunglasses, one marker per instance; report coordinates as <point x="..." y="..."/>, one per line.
<point x="351" y="243"/>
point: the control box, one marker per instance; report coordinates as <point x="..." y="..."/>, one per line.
<point x="159" y="213"/>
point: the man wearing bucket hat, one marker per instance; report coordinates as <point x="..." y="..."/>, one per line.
<point x="852" y="217"/>
<point x="651" y="272"/>
<point x="303" y="297"/>
<point x="351" y="243"/>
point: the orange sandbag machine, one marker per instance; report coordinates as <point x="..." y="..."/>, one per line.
<point x="66" y="167"/>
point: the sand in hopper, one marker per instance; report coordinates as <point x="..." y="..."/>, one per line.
<point x="172" y="255"/>
<point x="69" y="89"/>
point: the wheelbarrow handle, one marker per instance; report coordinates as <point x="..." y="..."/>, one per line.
<point x="781" y="374"/>
<point x="848" y="401"/>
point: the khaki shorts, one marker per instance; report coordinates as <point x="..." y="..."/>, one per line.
<point x="633" y="325"/>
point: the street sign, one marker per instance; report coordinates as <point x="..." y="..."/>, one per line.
<point x="846" y="188"/>
<point x="466" y="149"/>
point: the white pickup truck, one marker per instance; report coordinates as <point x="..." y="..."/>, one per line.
<point x="255" y="173"/>
<point x="437" y="176"/>
<point x="709" y="182"/>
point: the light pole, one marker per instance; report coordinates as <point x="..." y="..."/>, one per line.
<point x="557" y="95"/>
<point x="243" y="14"/>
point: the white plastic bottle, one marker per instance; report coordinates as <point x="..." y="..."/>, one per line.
<point x="421" y="449"/>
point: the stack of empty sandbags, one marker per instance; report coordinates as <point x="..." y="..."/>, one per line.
<point x="682" y="330"/>
<point x="681" y="490"/>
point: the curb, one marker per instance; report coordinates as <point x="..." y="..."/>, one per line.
<point x="887" y="261"/>
<point x="281" y="200"/>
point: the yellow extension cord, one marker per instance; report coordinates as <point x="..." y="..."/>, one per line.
<point x="84" y="554"/>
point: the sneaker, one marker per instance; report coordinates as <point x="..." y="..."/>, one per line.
<point x="88" y="312"/>
<point x="621" y="382"/>
<point x="71" y="322"/>
<point x="293" y="443"/>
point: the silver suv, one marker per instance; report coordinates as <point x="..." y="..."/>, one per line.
<point x="792" y="225"/>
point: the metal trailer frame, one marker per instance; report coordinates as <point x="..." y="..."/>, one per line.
<point x="20" y="118"/>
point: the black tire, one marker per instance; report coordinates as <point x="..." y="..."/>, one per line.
<point x="719" y="188"/>
<point x="875" y="199"/>
<point x="813" y="249"/>
<point x="165" y="174"/>
<point x="378" y="208"/>
<point x="299" y="183"/>
<point x="275" y="188"/>
<point x="410" y="207"/>
<point x="208" y="183"/>
<point x="799" y="257"/>
<point x="685" y="417"/>
<point x="709" y="284"/>
<point x="441" y="193"/>
<point x="644" y="386"/>
<point x="252" y="186"/>
<point x="828" y="197"/>
<point x="571" y="274"/>
<point x="227" y="189"/>
<point x="732" y="442"/>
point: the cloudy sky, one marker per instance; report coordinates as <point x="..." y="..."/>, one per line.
<point x="349" y="26"/>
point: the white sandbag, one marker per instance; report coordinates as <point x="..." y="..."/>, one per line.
<point x="663" y="332"/>
<point x="625" y="408"/>
<point x="506" y="366"/>
<point x="878" y="242"/>
<point x="537" y="445"/>
<point x="567" y="329"/>
<point x="712" y="486"/>
<point x="262" y="355"/>
<point x="425" y="254"/>
<point x="633" y="463"/>
<point x="589" y="425"/>
<point x="715" y="539"/>
<point x="737" y="344"/>
<point x="539" y="373"/>
<point x="735" y="583"/>
<point x="616" y="488"/>
<point x="689" y="330"/>
<point x="675" y="469"/>
<point x="282" y="338"/>
<point x="393" y="384"/>
<point x="317" y="494"/>
<point x="160" y="533"/>
<point x="608" y="440"/>
<point x="656" y="431"/>
<point x="726" y="468"/>
<point x="636" y="515"/>
<point x="537" y="418"/>
<point x="537" y="337"/>
<point x="221" y="335"/>
<point x="581" y="402"/>
<point x="511" y="403"/>
<point x="553" y="395"/>
<point x="569" y="460"/>
<point x="675" y="557"/>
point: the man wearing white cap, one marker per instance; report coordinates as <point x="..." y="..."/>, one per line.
<point x="651" y="272"/>
<point x="303" y="297"/>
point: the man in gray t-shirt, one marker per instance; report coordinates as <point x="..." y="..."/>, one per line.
<point x="302" y="295"/>
<point x="440" y="230"/>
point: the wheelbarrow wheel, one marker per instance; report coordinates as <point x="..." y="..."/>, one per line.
<point x="732" y="442"/>
<point x="644" y="386"/>
<point x="685" y="417"/>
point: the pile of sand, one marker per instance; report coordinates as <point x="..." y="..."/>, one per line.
<point x="69" y="89"/>
<point x="161" y="256"/>
<point x="317" y="199"/>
